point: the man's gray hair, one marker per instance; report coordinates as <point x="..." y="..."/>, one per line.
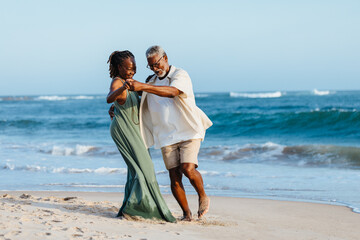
<point x="155" y="50"/>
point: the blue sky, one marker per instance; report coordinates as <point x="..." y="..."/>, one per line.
<point x="61" y="47"/>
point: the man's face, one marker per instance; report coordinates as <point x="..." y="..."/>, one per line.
<point x="158" y="64"/>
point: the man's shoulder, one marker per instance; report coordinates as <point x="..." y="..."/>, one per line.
<point x="179" y="72"/>
<point x="149" y="77"/>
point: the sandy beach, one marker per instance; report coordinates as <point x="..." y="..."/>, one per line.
<point x="91" y="215"/>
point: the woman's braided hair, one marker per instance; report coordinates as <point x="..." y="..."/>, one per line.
<point x="116" y="59"/>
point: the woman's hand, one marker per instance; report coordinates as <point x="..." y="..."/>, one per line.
<point x="127" y="85"/>
<point x="111" y="111"/>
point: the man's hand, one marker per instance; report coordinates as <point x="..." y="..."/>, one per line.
<point x="111" y="111"/>
<point x="133" y="84"/>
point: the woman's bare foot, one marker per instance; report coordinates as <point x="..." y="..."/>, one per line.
<point x="204" y="205"/>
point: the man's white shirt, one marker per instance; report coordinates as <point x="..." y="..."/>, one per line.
<point x="166" y="121"/>
<point x="169" y="125"/>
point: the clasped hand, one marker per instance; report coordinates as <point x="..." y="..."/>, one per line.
<point x="132" y="85"/>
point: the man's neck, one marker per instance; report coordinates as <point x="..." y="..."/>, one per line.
<point x="161" y="78"/>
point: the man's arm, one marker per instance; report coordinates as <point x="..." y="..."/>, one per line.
<point x="162" y="91"/>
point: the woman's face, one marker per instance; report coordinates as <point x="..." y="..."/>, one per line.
<point x="128" y="68"/>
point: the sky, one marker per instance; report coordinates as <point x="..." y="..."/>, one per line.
<point x="61" y="47"/>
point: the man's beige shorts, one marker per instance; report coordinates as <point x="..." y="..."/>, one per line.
<point x="182" y="152"/>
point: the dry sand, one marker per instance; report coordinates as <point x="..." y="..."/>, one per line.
<point x="90" y="215"/>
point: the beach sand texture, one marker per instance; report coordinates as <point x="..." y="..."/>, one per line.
<point x="91" y="215"/>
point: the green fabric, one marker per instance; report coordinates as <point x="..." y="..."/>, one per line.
<point x="142" y="192"/>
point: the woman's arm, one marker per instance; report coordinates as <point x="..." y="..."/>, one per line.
<point x="117" y="91"/>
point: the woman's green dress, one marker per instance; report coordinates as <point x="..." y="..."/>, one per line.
<point x="142" y="192"/>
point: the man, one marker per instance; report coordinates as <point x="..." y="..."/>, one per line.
<point x="170" y="120"/>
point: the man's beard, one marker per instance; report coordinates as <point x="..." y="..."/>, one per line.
<point x="161" y="74"/>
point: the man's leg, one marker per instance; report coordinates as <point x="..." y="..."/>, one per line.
<point x="178" y="191"/>
<point x="196" y="180"/>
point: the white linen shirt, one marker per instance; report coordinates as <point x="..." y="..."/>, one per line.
<point x="166" y="121"/>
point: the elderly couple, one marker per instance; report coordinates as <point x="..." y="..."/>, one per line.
<point x="166" y="117"/>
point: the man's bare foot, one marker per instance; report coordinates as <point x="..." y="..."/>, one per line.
<point x="187" y="217"/>
<point x="204" y="205"/>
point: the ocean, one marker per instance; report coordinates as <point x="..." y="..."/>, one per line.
<point x="299" y="146"/>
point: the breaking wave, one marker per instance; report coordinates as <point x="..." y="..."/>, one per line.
<point x="67" y="151"/>
<point x="320" y="93"/>
<point x="101" y="170"/>
<point x="299" y="155"/>
<point x="36" y="168"/>
<point x="257" y="95"/>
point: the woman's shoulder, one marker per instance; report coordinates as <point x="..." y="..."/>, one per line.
<point x="117" y="79"/>
<point x="116" y="82"/>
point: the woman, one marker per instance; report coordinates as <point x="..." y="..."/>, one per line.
<point x="142" y="193"/>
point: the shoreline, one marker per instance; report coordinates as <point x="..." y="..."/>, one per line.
<point x="355" y="210"/>
<point x="91" y="215"/>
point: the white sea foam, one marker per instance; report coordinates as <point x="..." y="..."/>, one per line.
<point x="62" y="98"/>
<point x="334" y="110"/>
<point x="36" y="168"/>
<point x="96" y="186"/>
<point x="101" y="170"/>
<point x="72" y="170"/>
<point x="82" y="97"/>
<point x="51" y="98"/>
<point x="161" y="172"/>
<point x="209" y="173"/>
<point x="320" y="93"/>
<point x="257" y="95"/>
<point x="355" y="209"/>
<point x="67" y="151"/>
<point x="107" y="170"/>
<point x="32" y="168"/>
<point x="201" y="95"/>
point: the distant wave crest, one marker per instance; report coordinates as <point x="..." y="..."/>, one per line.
<point x="47" y="98"/>
<point x="320" y="93"/>
<point x="51" y="98"/>
<point x="62" y="98"/>
<point x="257" y="95"/>
<point x="201" y="95"/>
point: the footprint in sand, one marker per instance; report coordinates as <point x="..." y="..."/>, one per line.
<point x="25" y="196"/>
<point x="41" y="234"/>
<point x="77" y="235"/>
<point x="48" y="211"/>
<point x="79" y="229"/>
<point x="12" y="234"/>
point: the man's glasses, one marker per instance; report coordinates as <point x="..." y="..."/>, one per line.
<point x="155" y="64"/>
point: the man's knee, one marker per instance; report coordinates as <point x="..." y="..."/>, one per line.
<point x="188" y="169"/>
